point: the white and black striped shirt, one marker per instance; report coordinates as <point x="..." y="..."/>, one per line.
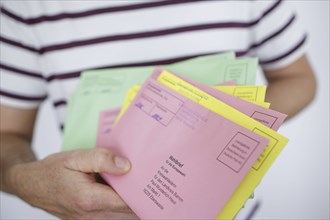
<point x="45" y="45"/>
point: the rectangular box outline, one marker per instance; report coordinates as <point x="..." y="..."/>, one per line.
<point x="265" y="148"/>
<point x="142" y="96"/>
<point x="254" y="87"/>
<point x="160" y="107"/>
<point x="225" y="78"/>
<point x="258" y="143"/>
<point x="267" y="115"/>
<point x="182" y="102"/>
<point x="157" y="104"/>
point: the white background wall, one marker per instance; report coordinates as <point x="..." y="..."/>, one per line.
<point x="297" y="186"/>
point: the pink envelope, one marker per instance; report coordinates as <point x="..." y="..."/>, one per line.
<point x="186" y="160"/>
<point x="107" y="119"/>
<point x="268" y="117"/>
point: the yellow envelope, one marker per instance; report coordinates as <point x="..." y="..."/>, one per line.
<point x="131" y="93"/>
<point x="273" y="149"/>
<point x="254" y="94"/>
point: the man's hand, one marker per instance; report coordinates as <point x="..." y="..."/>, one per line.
<point x="65" y="184"/>
<point x="291" y="88"/>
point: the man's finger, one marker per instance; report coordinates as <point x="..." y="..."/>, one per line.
<point x="103" y="198"/>
<point x="97" y="160"/>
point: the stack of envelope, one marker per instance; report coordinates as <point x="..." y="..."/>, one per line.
<point x="104" y="89"/>
<point x="198" y="133"/>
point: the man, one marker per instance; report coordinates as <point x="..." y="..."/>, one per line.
<point x="45" y="46"/>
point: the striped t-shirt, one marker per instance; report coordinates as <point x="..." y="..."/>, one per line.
<point x="45" y="45"/>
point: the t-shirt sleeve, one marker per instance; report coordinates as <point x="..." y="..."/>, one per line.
<point x="22" y="82"/>
<point x="278" y="37"/>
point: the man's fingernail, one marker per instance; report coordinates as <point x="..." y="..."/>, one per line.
<point x="122" y="163"/>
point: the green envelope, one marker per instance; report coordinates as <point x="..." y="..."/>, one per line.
<point x="106" y="89"/>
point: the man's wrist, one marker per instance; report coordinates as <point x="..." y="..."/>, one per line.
<point x="17" y="178"/>
<point x="11" y="178"/>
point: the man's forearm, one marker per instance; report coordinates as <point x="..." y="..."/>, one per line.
<point x="291" y="88"/>
<point x="15" y="149"/>
<point x="291" y="94"/>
